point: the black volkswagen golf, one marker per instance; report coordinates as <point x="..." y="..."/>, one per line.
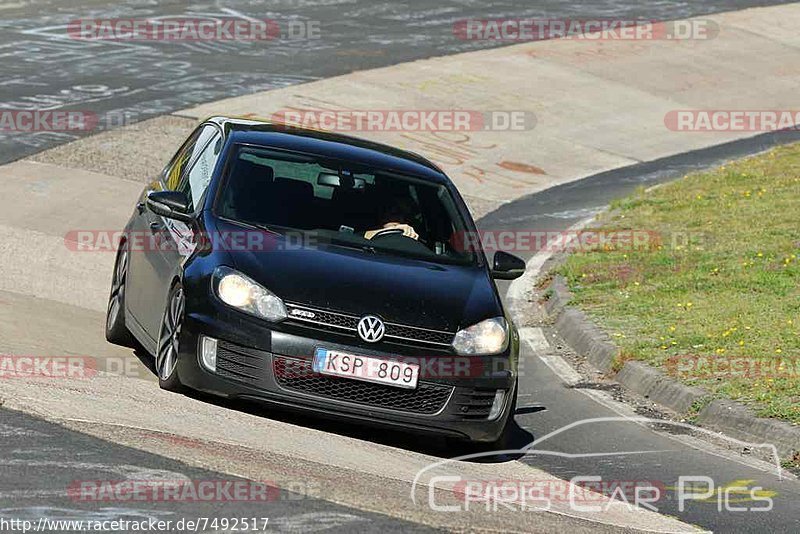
<point x="319" y="272"/>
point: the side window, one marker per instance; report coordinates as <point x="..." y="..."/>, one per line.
<point x="204" y="158"/>
<point x="173" y="172"/>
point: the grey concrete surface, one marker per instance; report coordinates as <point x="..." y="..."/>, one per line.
<point x="136" y="152"/>
<point x="624" y="89"/>
<point x="45" y="69"/>
<point x="599" y="105"/>
<point x="44" y="464"/>
<point x="738" y="421"/>
<point x="586" y="338"/>
<point x="346" y="465"/>
<point x="45" y="205"/>
<point x="655" y="386"/>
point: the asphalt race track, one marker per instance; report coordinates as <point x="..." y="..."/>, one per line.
<point x="122" y="82"/>
<point x="40" y="459"/>
<point x="45" y="69"/>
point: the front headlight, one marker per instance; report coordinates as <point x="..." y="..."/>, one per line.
<point x="485" y="338"/>
<point x="240" y="292"/>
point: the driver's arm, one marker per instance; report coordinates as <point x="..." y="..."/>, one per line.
<point x="408" y="230"/>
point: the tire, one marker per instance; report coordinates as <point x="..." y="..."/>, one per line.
<point x="116" y="331"/>
<point x="168" y="347"/>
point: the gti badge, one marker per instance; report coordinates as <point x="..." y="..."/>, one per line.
<point x="303" y="313"/>
<point x="371" y="329"/>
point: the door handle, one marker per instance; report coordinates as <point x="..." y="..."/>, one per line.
<point x="140" y="207"/>
<point x="155" y="226"/>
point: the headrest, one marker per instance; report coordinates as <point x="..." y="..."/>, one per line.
<point x="287" y="186"/>
<point x="246" y="170"/>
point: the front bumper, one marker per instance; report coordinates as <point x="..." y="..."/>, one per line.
<point x="257" y="363"/>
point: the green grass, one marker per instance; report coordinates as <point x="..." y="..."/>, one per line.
<point x="720" y="282"/>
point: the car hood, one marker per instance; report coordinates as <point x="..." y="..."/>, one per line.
<point x="397" y="289"/>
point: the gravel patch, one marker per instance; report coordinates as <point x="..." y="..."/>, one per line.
<point x="137" y="152"/>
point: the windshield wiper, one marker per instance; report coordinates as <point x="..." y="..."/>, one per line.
<point x="267" y="229"/>
<point x="258" y="226"/>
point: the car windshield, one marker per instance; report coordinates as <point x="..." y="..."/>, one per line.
<point x="344" y="205"/>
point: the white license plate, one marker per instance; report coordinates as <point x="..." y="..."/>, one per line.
<point x="393" y="373"/>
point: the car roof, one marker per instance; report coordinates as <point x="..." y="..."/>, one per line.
<point x="329" y="145"/>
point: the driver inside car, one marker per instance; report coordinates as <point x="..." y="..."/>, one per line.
<point x="394" y="220"/>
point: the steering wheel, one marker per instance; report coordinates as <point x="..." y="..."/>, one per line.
<point x="387" y="232"/>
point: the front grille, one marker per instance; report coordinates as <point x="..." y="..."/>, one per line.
<point x="297" y="375"/>
<point x="344" y="323"/>
<point x="475" y="403"/>
<point x="240" y="363"/>
<point x="418" y="334"/>
<point x="325" y="318"/>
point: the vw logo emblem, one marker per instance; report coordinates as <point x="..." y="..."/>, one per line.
<point x="370" y="329"/>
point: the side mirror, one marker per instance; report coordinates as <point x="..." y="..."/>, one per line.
<point x="507" y="266"/>
<point x="170" y="204"/>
